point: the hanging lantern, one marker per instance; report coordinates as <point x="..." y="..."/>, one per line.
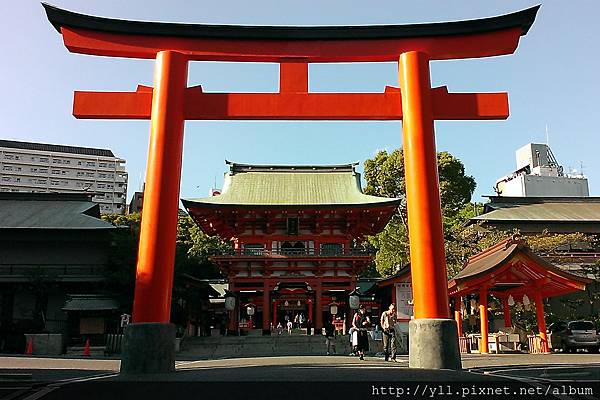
<point x="333" y="308"/>
<point x="298" y="303"/>
<point x="229" y="301"/>
<point x="354" y="299"/>
<point x="511" y="301"/>
<point x="287" y="303"/>
<point x="526" y="302"/>
<point x="250" y="309"/>
<point x="473" y="304"/>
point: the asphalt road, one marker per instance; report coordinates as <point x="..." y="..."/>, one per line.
<point x="290" y="377"/>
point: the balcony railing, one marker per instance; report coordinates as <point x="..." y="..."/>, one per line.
<point x="298" y="253"/>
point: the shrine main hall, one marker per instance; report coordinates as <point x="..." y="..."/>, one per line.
<point x="295" y="232"/>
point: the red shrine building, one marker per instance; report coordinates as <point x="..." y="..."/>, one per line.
<point x="294" y="231"/>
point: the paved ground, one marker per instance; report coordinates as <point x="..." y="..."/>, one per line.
<point x="59" y="378"/>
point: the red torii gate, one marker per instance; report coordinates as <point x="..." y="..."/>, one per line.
<point x="171" y="102"/>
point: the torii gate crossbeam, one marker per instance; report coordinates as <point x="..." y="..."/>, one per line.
<point x="171" y="102"/>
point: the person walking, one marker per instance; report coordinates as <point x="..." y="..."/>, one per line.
<point x="329" y="337"/>
<point x="361" y="322"/>
<point x="388" y="321"/>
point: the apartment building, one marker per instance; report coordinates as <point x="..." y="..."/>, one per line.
<point x="40" y="167"/>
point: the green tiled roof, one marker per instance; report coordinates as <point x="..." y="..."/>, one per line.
<point x="292" y="185"/>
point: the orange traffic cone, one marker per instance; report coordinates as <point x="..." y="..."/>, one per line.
<point x="29" y="350"/>
<point x="86" y="348"/>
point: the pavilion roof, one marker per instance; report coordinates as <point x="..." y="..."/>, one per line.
<point x="541" y="209"/>
<point x="284" y="186"/>
<point x="510" y="267"/>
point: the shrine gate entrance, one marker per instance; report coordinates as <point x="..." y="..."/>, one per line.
<point x="149" y="340"/>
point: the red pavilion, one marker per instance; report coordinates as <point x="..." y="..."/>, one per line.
<point x="293" y="230"/>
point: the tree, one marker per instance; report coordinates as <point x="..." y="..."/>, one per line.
<point x="192" y="252"/>
<point x="384" y="175"/>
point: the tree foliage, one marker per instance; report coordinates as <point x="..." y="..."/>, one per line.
<point x="192" y="252"/>
<point x="384" y="175"/>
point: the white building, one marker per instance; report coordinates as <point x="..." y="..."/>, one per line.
<point x="39" y="167"/>
<point x="539" y="175"/>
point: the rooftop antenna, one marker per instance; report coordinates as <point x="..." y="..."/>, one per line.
<point x="547" y="137"/>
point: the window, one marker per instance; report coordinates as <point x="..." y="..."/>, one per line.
<point x="9" y="156"/>
<point x="89" y="174"/>
<point x="90" y="164"/>
<point x="7" y="168"/>
<point x="54" y="183"/>
<point x="44" y="159"/>
<point x="292" y="226"/>
<point x="581" y="326"/>
<point x="55" y="172"/>
<point x="102" y="165"/>
<point x="6" y="179"/>
<point x="331" y="249"/>
<point x="80" y="173"/>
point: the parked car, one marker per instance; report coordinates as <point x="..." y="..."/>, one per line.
<point x="572" y="335"/>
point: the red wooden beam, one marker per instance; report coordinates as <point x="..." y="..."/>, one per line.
<point x="495" y="43"/>
<point x="291" y="105"/>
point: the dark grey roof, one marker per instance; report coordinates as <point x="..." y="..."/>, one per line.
<point x="56" y="148"/>
<point x="541" y="209"/>
<point x="50" y="211"/>
<point x="520" y="20"/>
<point x="90" y="302"/>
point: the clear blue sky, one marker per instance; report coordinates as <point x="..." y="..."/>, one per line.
<point x="552" y="80"/>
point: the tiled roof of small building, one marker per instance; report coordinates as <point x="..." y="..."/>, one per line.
<point x="50" y="211"/>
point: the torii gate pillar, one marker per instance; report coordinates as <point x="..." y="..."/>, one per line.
<point x="150" y="339"/>
<point x="432" y="333"/>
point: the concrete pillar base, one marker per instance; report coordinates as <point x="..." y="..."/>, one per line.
<point x="433" y="344"/>
<point x="148" y="348"/>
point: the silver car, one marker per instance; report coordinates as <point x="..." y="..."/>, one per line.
<point x="573" y="335"/>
